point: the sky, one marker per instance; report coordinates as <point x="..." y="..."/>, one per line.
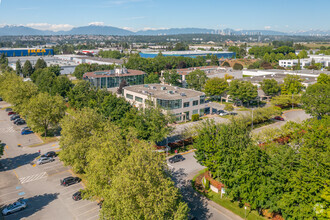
<point x="279" y="15"/>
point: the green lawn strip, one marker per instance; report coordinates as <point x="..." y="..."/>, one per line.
<point x="227" y="203"/>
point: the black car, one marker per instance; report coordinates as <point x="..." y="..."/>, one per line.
<point x="20" y="122"/>
<point x="49" y="154"/>
<point x="9" y="109"/>
<point x="70" y="180"/>
<point x="0" y="99"/>
<point x="76" y="196"/>
<point x="176" y="158"/>
<point x="12" y="118"/>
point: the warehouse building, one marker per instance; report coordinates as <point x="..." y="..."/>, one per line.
<point x="112" y="78"/>
<point x="20" y="52"/>
<point x="180" y="102"/>
<point x="192" y="54"/>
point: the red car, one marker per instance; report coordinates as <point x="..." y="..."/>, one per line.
<point x="11" y="113"/>
<point x="279" y="118"/>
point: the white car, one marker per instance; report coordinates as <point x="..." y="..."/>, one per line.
<point x="43" y="160"/>
<point x="15" y="207"/>
<point x="223" y="114"/>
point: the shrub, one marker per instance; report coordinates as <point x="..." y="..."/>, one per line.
<point x="195" y="117"/>
<point x="238" y="66"/>
<point x="229" y="108"/>
<point x="226" y="64"/>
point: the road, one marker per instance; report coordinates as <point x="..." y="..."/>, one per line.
<point x="201" y="208"/>
<point x="39" y="185"/>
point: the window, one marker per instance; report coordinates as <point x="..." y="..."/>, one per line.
<point x="195" y="112"/>
<point x="195" y="102"/>
<point x="138" y="99"/>
<point x="202" y="99"/>
<point x="129" y="96"/>
<point x="170" y="104"/>
<point x="186" y="104"/>
<point x="201" y="112"/>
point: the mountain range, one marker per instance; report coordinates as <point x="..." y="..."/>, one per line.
<point x="108" y="30"/>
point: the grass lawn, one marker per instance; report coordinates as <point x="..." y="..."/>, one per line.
<point x="227" y="203"/>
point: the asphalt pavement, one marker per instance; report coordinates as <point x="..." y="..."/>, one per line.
<point x="201" y="208"/>
<point x="39" y="185"/>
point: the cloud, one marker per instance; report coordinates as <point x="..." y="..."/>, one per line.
<point x="153" y="29"/>
<point x="50" y="27"/>
<point x="128" y="28"/>
<point x="267" y="27"/>
<point x="97" y="23"/>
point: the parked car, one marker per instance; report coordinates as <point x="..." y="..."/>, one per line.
<point x="49" y="154"/>
<point x="13" y="117"/>
<point x="232" y="113"/>
<point x="19" y="205"/>
<point x="223" y="113"/>
<point x="9" y="109"/>
<point x="11" y="113"/>
<point x="0" y="99"/>
<point x="20" y="122"/>
<point x="279" y="118"/>
<point x="24" y="132"/>
<point x="176" y="158"/>
<point x="25" y="128"/>
<point x="43" y="160"/>
<point x="70" y="180"/>
<point x="76" y="196"/>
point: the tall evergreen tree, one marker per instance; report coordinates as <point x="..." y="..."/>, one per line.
<point x="27" y="69"/>
<point x="18" y="67"/>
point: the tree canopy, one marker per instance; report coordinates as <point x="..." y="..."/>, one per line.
<point x="215" y="86"/>
<point x="243" y="91"/>
<point x="270" y="86"/>
<point x="196" y="79"/>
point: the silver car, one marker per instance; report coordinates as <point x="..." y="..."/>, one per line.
<point x="43" y="160"/>
<point x="15" y="207"/>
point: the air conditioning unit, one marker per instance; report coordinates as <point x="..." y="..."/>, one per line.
<point x="163" y="88"/>
<point x="183" y="94"/>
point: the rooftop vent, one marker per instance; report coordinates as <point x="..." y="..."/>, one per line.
<point x="163" y="88"/>
<point x="154" y="87"/>
<point x="170" y="92"/>
<point x="146" y="86"/>
<point x="145" y="92"/>
<point x="183" y="94"/>
<point x="175" y="87"/>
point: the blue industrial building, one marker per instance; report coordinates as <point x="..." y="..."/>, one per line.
<point x="26" y="52"/>
<point x="192" y="54"/>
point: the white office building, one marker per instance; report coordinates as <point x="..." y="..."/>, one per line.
<point x="323" y="59"/>
<point x="181" y="102"/>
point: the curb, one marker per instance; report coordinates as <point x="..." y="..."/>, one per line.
<point x="187" y="152"/>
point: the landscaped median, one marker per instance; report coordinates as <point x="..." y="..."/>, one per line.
<point x="225" y="201"/>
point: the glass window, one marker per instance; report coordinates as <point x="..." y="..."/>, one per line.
<point x="195" y="102"/>
<point x="169" y="104"/>
<point x="202" y="99"/>
<point x="186" y="104"/>
<point x="201" y="112"/>
<point x="138" y="99"/>
<point x="195" y="112"/>
<point x="129" y="96"/>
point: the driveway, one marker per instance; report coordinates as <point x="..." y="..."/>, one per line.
<point x="201" y="208"/>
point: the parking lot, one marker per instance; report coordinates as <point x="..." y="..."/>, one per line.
<point x="38" y="185"/>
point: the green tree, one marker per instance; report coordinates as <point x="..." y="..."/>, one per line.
<point x="77" y="128"/>
<point x="226" y="64"/>
<point x="27" y="69"/>
<point x="172" y="78"/>
<point x="323" y="79"/>
<point x="316" y="99"/>
<point x="292" y="85"/>
<point x="40" y="64"/>
<point x="61" y="86"/>
<point x="44" y="111"/>
<point x="141" y="189"/>
<point x="18" y="67"/>
<point x="286" y="100"/>
<point x="180" y="47"/>
<point x="214" y="60"/>
<point x="215" y="86"/>
<point x="45" y="80"/>
<point x="243" y="91"/>
<point x="80" y="95"/>
<point x="56" y="69"/>
<point x="270" y="86"/>
<point x="196" y="79"/>
<point x="302" y="54"/>
<point x="151" y="78"/>
<point x="267" y="57"/>
<point x="238" y="66"/>
<point x="229" y="108"/>
<point x="114" y="108"/>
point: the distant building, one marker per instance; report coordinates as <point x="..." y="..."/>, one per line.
<point x="323" y="59"/>
<point x="113" y="78"/>
<point x="192" y="54"/>
<point x="20" y="52"/>
<point x="182" y="103"/>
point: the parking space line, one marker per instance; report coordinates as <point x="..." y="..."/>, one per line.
<point x="58" y="173"/>
<point x="16" y="191"/>
<point x="170" y="165"/>
<point x="69" y="192"/>
<point x="16" y="174"/>
<point x="87" y="211"/>
<point x="93" y="217"/>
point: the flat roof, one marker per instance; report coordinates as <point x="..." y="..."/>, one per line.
<point x="109" y="73"/>
<point x="190" y="52"/>
<point x="108" y="60"/>
<point x="170" y="92"/>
